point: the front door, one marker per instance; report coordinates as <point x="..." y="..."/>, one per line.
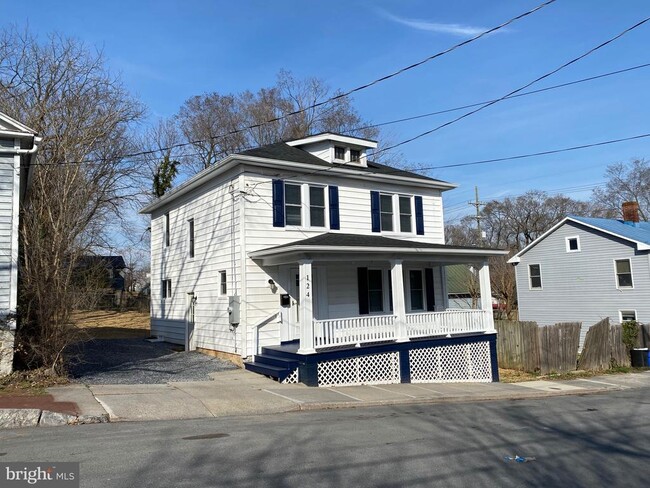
<point x="294" y="310"/>
<point x="190" y="343"/>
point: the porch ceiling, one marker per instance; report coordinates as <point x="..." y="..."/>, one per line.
<point x="355" y="247"/>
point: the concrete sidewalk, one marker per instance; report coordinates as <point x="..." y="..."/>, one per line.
<point x="239" y="392"/>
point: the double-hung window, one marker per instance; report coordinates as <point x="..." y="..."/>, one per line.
<point x="167" y="230"/>
<point x="416" y="289"/>
<point x="166" y="289"/>
<point x="375" y="291"/>
<point x="339" y="153"/>
<point x="317" y="206"/>
<point x="535" y="276"/>
<point x="355" y="155"/>
<point x="624" y="273"/>
<point x="223" y="283"/>
<point x="190" y="231"/>
<point x="405" y="215"/>
<point x="292" y="204"/>
<point x="386" y="206"/>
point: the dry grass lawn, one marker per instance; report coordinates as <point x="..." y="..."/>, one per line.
<point x="109" y="324"/>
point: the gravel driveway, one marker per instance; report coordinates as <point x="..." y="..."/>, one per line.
<point x="136" y="361"/>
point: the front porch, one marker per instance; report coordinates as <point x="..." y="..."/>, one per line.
<point x="380" y="308"/>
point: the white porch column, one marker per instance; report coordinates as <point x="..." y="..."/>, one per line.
<point x="486" y="293"/>
<point x="399" y="304"/>
<point x="306" y="308"/>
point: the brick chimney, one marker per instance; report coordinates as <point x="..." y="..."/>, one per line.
<point x="631" y="213"/>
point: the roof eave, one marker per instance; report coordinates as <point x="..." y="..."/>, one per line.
<point x="375" y="250"/>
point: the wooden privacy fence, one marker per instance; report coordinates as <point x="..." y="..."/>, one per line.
<point x="527" y="347"/>
<point x="604" y="346"/>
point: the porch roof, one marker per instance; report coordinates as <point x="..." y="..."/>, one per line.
<point x="336" y="246"/>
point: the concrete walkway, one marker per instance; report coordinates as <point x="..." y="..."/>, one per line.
<point x="239" y="392"/>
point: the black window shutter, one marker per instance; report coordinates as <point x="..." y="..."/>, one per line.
<point x="419" y="217"/>
<point x="335" y="220"/>
<point x="431" y="297"/>
<point x="362" y="280"/>
<point x="375" y="213"/>
<point x="278" y="203"/>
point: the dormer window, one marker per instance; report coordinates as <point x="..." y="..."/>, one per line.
<point x="339" y="153"/>
<point x="355" y="155"/>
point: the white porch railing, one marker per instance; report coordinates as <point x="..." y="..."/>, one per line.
<point x="354" y="330"/>
<point x="375" y="328"/>
<point x="448" y="322"/>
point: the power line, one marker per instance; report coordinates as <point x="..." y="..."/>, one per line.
<point x="350" y="91"/>
<point x="524" y="94"/>
<point x="513" y="92"/>
<point x="396" y="121"/>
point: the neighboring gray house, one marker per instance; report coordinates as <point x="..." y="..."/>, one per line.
<point x="585" y="269"/>
<point x="18" y="145"/>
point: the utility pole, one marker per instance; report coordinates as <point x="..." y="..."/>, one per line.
<point x="478" y="204"/>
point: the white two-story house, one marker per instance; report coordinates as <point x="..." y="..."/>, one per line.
<point x="313" y="264"/>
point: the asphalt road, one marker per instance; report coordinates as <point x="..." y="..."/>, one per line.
<point x="577" y="441"/>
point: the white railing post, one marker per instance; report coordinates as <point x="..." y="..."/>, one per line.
<point x="306" y="308"/>
<point x="486" y="294"/>
<point x="399" y="304"/>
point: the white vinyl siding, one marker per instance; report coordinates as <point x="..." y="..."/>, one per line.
<point x="7" y="236"/>
<point x="582" y="287"/>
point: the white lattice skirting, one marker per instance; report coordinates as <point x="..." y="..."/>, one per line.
<point x="292" y="378"/>
<point x="451" y="364"/>
<point x="362" y="370"/>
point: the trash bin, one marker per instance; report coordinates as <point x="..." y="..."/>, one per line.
<point x="640" y="357"/>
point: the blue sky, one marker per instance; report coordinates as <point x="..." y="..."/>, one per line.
<point x="168" y="51"/>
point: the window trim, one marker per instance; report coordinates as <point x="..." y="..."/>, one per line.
<point x="409" y="301"/>
<point x="166" y="289"/>
<point x="301" y="205"/>
<point x="223" y="283"/>
<point x="392" y="212"/>
<point x="620" y="314"/>
<point x="167" y="229"/>
<point x="616" y="281"/>
<point x="567" y="243"/>
<point x="411" y="200"/>
<point x="541" y="279"/>
<point x="326" y="206"/>
<point x="191" y="240"/>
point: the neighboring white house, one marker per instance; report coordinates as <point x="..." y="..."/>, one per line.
<point x="585" y="269"/>
<point x="320" y="265"/>
<point x="18" y="146"/>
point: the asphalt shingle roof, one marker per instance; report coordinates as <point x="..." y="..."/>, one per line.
<point x="285" y="152"/>
<point x="639" y="232"/>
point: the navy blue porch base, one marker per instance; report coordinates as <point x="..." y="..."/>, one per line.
<point x="307" y="364"/>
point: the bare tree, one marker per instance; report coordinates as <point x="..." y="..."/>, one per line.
<point x="217" y="125"/>
<point x="80" y="184"/>
<point x="625" y="183"/>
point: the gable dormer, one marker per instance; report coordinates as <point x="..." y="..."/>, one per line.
<point x="336" y="148"/>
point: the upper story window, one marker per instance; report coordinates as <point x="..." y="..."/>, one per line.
<point x="386" y="206"/>
<point x="167" y="230"/>
<point x="190" y="232"/>
<point x="292" y="204"/>
<point x="405" y="215"/>
<point x="390" y="213"/>
<point x="535" y="276"/>
<point x="339" y="153"/>
<point x="623" y="273"/>
<point x="573" y="244"/>
<point x="301" y="204"/>
<point x="317" y="206"/>
<point x="355" y="155"/>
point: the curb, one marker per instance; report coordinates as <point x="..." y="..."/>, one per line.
<point x="14" y="418"/>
